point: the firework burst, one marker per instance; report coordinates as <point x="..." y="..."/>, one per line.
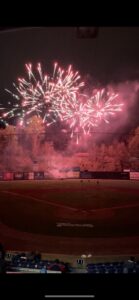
<point x="83" y="113"/>
<point x="36" y="94"/>
<point x="101" y="106"/>
<point x="58" y="97"/>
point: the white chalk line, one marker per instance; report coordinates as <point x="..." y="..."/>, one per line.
<point x="40" y="200"/>
<point x="72" y="208"/>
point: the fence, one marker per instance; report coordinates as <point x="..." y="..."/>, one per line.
<point x="69" y="174"/>
<point x="104" y="175"/>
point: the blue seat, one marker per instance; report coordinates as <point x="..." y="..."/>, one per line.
<point x="115" y="263"/>
<point x="99" y="264"/>
<point x="90" y="265"/>
<point x="130" y="271"/>
<point x="107" y="263"/>
<point x="111" y="270"/>
<point x="115" y="271"/>
<point x="31" y="265"/>
<point x="55" y="268"/>
<point x="92" y="271"/>
<point x="102" y="270"/>
<point x="120" y="270"/>
<point x="106" y="271"/>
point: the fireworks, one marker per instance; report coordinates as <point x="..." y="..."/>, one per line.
<point x="58" y="97"/>
<point x="35" y="95"/>
<point x="100" y="107"/>
<point x="83" y="113"/>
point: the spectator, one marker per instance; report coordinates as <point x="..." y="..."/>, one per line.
<point x="37" y="257"/>
<point x="130" y="265"/>
<point x="132" y="260"/>
<point x="57" y="261"/>
<point x="31" y="256"/>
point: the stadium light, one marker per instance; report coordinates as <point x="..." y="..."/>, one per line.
<point x="86" y="255"/>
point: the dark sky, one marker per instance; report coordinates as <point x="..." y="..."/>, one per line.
<point x="112" y="56"/>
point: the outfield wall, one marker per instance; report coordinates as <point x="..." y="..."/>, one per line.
<point x="68" y="174"/>
<point x="134" y="175"/>
<point x="105" y="175"/>
<point x="9" y="176"/>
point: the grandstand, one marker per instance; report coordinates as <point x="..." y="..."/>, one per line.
<point x="29" y="262"/>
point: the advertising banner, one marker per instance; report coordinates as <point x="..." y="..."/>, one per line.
<point x="46" y="175"/>
<point x="134" y="175"/>
<point x="38" y="175"/>
<point x="30" y="175"/>
<point x="8" y="176"/>
<point x="18" y="175"/>
<point x="85" y="175"/>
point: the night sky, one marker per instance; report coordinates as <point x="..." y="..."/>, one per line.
<point x="113" y="56"/>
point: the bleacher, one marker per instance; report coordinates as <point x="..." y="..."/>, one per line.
<point x="113" y="267"/>
<point x="33" y="263"/>
<point x="25" y="264"/>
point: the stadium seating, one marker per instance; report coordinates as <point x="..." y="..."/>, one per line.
<point x="112" y="268"/>
<point x="22" y="261"/>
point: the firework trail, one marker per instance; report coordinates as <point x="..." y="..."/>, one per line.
<point x="37" y="93"/>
